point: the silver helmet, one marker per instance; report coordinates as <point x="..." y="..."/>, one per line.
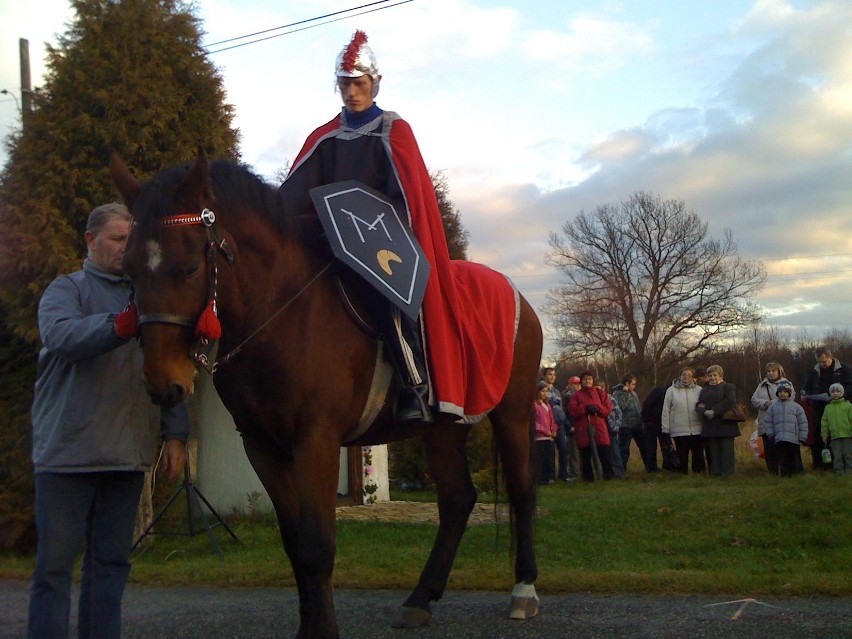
<point x="357" y="59"/>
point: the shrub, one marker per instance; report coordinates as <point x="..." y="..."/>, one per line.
<point x="407" y="461"/>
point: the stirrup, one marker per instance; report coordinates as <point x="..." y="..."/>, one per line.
<point x="414" y="409"/>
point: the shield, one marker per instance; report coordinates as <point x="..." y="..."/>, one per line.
<point x="366" y="232"/>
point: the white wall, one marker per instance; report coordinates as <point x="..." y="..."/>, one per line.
<point x="380" y="472"/>
<point x="223" y="473"/>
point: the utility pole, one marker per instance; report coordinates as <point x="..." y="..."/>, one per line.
<point x="26" y="83"/>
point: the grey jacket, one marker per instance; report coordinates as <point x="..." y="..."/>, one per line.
<point x="785" y="421"/>
<point x="631" y="409"/>
<point x="90" y="410"/>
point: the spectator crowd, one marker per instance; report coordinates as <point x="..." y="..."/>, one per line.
<point x="588" y="432"/>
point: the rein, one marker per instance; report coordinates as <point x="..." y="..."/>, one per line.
<point x="239" y="347"/>
<point x="207" y="326"/>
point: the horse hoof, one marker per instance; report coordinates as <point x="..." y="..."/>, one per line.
<point x="412" y="618"/>
<point x="524" y="602"/>
<point x="523" y="608"/>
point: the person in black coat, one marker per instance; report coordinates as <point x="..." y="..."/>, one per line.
<point x="652" y="418"/>
<point x="715" y="399"/>
<point x="828" y="370"/>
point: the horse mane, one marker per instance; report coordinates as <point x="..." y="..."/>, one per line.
<point x="235" y="187"/>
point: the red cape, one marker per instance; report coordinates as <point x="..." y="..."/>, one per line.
<point x="470" y="313"/>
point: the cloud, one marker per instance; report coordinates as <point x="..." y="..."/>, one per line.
<point x="766" y="15"/>
<point x="768" y="157"/>
<point x="588" y="40"/>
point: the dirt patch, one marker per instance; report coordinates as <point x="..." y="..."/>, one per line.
<point x="415" y="512"/>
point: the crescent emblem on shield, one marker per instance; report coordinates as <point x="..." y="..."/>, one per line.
<point x="385" y="257"/>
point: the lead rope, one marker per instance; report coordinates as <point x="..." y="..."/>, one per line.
<point x="203" y="360"/>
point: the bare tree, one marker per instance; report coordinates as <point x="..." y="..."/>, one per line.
<point x="643" y="281"/>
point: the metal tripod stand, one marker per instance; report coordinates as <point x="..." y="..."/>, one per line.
<point x="194" y="501"/>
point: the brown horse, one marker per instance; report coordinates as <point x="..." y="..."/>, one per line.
<point x="286" y="332"/>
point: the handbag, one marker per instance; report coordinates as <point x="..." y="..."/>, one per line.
<point x="671" y="460"/>
<point x="735" y="414"/>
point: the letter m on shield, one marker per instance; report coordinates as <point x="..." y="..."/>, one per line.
<point x="366" y="232"/>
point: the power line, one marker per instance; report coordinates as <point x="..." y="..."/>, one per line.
<point x="294" y="24"/>
<point x="311" y="26"/>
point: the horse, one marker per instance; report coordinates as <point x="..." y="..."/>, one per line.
<point x="212" y="257"/>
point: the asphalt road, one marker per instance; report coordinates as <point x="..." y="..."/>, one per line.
<point x="265" y="613"/>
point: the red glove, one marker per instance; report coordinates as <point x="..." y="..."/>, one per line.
<point x="126" y="323"/>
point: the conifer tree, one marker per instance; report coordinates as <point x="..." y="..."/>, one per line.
<point x="128" y="76"/>
<point x="457" y="234"/>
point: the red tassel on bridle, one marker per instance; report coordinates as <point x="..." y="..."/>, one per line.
<point x="208" y="326"/>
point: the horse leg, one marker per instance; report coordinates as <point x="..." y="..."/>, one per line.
<point x="303" y="488"/>
<point x="513" y="432"/>
<point x="447" y="459"/>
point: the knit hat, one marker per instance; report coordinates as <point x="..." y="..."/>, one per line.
<point x="784" y="386"/>
<point x="835" y="387"/>
<point x="541" y="385"/>
<point x="573" y="380"/>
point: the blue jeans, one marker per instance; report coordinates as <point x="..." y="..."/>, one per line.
<point x="99" y="510"/>
<point x="562" y="452"/>
<point x="615" y="455"/>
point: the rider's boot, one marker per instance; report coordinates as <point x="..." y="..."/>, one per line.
<point x="412" y="406"/>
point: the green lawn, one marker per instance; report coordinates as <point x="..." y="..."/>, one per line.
<point x="652" y="534"/>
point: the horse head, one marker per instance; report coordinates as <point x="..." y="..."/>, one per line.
<point x="168" y="259"/>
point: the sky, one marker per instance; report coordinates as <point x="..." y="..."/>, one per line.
<point x="538" y="111"/>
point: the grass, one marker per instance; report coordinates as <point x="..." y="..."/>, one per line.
<point x="650" y="534"/>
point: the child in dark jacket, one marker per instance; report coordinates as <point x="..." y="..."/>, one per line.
<point x="786" y="425"/>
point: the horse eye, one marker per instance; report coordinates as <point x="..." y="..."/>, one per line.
<point x="191" y="270"/>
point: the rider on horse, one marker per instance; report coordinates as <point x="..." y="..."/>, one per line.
<point x="378" y="148"/>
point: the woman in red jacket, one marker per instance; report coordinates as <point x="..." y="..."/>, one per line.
<point x="589" y="408"/>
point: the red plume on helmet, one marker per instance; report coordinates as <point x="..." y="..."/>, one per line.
<point x="350" y="56"/>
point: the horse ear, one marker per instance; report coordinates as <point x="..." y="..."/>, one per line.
<point x="195" y="190"/>
<point x="127" y="185"/>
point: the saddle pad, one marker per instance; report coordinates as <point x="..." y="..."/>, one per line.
<point x="485" y="320"/>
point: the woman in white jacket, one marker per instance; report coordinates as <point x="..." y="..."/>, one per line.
<point x="763" y="396"/>
<point x="682" y="423"/>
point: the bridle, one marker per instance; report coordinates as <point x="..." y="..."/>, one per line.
<point x="214" y="243"/>
<point x="206" y="325"/>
